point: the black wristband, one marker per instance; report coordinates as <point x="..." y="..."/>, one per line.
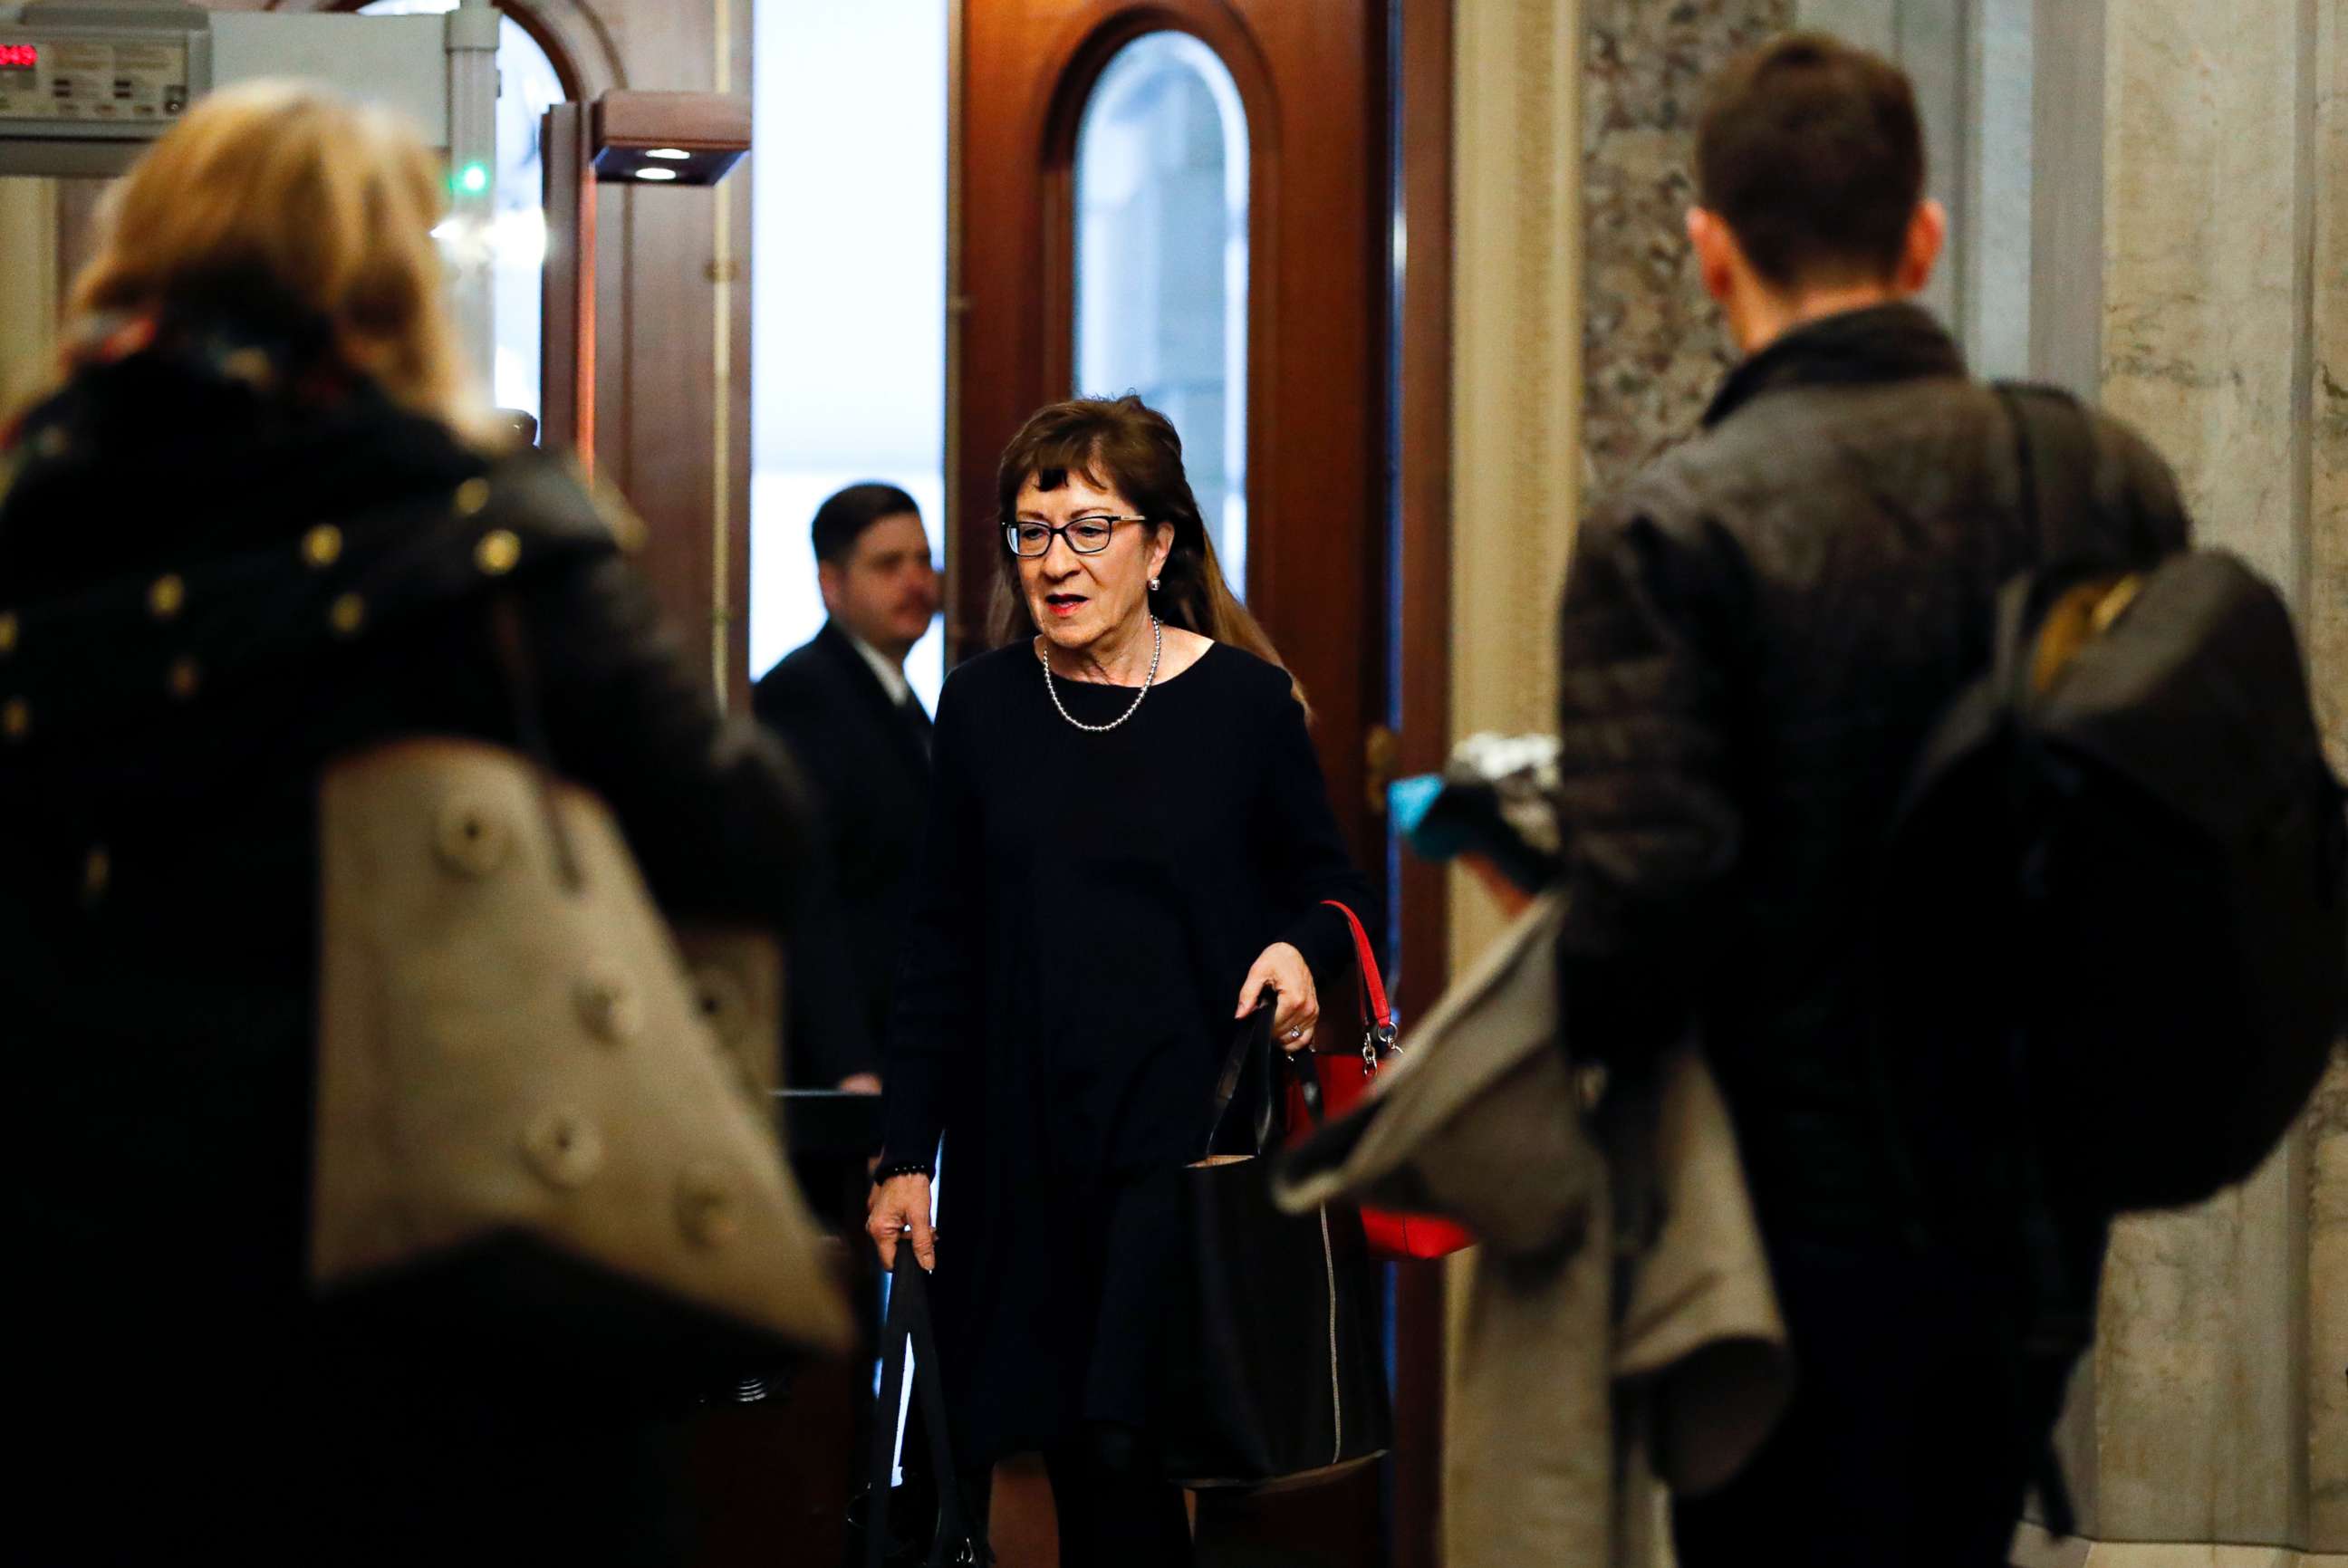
<point x="902" y="1167"/>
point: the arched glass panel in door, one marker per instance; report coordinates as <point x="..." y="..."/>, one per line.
<point x="1161" y="264"/>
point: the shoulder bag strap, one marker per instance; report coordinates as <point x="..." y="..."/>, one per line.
<point x="2054" y="457"/>
<point x="2010" y="397"/>
<point x="1377" y="1018"/>
<point x="2066" y="480"/>
<point x="2040" y="1245"/>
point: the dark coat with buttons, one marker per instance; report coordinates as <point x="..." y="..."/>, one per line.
<point x="1757" y="633"/>
<point x="223" y="561"/>
<point x="868" y="761"/>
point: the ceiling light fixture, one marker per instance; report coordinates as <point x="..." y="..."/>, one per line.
<point x="656" y="173"/>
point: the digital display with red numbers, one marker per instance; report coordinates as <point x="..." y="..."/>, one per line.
<point x="19" y="56"/>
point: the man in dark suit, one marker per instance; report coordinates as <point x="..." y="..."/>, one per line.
<point x="843" y="705"/>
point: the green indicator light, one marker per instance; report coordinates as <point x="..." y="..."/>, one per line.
<point x="473" y="178"/>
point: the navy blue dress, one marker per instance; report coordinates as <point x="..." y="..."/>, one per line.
<point x="1089" y="907"/>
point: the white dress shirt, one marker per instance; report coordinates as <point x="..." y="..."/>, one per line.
<point x="891" y="674"/>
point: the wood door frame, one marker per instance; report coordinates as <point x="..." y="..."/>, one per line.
<point x="577" y="40"/>
<point x="1422" y="367"/>
<point x="1048" y="126"/>
<point x="1315" y="372"/>
<point x="1422" y="459"/>
<point x="1424" y="677"/>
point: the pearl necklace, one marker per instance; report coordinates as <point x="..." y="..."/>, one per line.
<point x="1156" y="651"/>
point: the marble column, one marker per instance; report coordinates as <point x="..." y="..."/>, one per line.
<point x="2327" y="395"/>
<point x="1517" y="372"/>
<point x="2211" y="1425"/>
<point x="1573" y="134"/>
<point x="1653" y="349"/>
<point x="1515" y="396"/>
<point x="1583" y="345"/>
<point x="2326" y="619"/>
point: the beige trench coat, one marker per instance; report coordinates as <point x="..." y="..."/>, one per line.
<point x="1560" y="1414"/>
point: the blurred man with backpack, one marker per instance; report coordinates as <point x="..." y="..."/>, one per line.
<point x="1889" y="706"/>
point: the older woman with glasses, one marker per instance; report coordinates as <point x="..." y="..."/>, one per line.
<point x="1129" y="844"/>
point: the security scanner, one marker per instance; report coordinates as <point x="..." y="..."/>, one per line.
<point x="86" y="85"/>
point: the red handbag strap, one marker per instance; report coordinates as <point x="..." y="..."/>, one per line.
<point x="1374" y="1011"/>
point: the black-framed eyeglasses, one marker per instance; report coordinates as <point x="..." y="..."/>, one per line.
<point x="1086" y="535"/>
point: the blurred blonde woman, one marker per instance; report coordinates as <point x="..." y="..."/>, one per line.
<point x="236" y="540"/>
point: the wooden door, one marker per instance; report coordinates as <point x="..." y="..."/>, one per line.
<point x="1311" y="76"/>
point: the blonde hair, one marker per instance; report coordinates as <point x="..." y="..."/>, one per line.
<point x="327" y="204"/>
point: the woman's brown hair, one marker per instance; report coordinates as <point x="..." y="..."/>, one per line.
<point x="1123" y="444"/>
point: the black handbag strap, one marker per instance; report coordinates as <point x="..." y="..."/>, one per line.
<point x="2048" y="452"/>
<point x="909" y="1325"/>
<point x="1254" y="1032"/>
<point x="2049" y="447"/>
<point x="2077" y="501"/>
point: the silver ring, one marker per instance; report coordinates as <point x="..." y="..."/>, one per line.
<point x="1297" y="1033"/>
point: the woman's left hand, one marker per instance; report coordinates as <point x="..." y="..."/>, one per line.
<point x="1284" y="969"/>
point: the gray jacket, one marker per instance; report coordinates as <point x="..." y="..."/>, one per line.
<point x="1560" y="1411"/>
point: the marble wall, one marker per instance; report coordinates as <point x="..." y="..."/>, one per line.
<point x="2326" y="620"/>
<point x="2327" y="389"/>
<point x="2205" y="226"/>
<point x="2212" y="1418"/>
<point x="1653" y="345"/>
<point x="2198" y="1370"/>
<point x="1573" y="135"/>
<point x="2155" y="195"/>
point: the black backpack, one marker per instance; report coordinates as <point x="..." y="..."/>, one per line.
<point x="2116" y="912"/>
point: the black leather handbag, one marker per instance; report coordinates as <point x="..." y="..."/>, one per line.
<point x="1276" y="1375"/>
<point x="874" y="1542"/>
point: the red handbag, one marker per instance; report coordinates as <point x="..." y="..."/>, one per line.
<point x="1342" y="1078"/>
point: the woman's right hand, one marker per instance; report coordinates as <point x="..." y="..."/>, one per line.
<point x="899" y="1203"/>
